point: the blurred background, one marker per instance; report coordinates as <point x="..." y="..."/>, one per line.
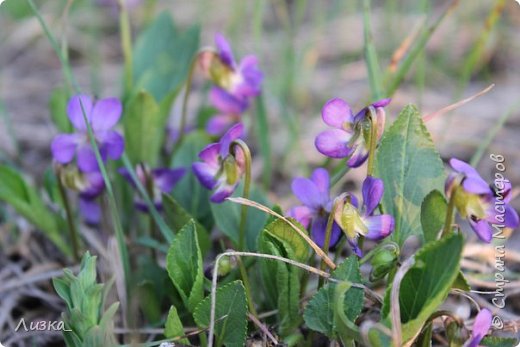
<point x="310" y="51"/>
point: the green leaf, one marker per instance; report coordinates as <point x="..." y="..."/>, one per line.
<point x="493" y="341"/>
<point x="282" y="282"/>
<point x="190" y="194"/>
<point x="433" y="215"/>
<point x="176" y="217"/>
<point x="410" y="167"/>
<point x="144" y="125"/>
<point x="319" y="312"/>
<point x="320" y="315"/>
<point x="285" y="234"/>
<point x="27" y="202"/>
<point x="344" y="327"/>
<point x="58" y="108"/>
<point x="162" y="56"/>
<point x="230" y="314"/>
<point x="173" y="327"/>
<point x="426" y="285"/>
<point x="184" y="265"/>
<point x="227" y="217"/>
<point x="461" y="282"/>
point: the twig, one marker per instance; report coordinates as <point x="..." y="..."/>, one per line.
<point x="395" y="311"/>
<point x="306" y="267"/>
<point x="263" y="328"/>
<point x="307" y="239"/>
<point x="456" y="105"/>
<point x="33" y="279"/>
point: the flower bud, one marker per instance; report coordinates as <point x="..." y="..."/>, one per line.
<point x="383" y="262"/>
<point x="455" y="333"/>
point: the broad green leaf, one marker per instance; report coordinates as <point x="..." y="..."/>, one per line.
<point x="494" y="341"/>
<point x="230" y="314"/>
<point x="176" y="217"/>
<point x="410" y="167"/>
<point x="426" y="285"/>
<point x="27" y="202"/>
<point x="58" y="108"/>
<point x="319" y="314"/>
<point x="433" y="215"/>
<point x="285" y="234"/>
<point x="184" y="265"/>
<point x="282" y="282"/>
<point x="227" y="217"/>
<point x="162" y="56"/>
<point x="188" y="192"/>
<point x="144" y="125"/>
<point x="344" y="327"/>
<point x="153" y="286"/>
<point x="173" y="327"/>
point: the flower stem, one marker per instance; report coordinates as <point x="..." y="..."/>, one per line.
<point x="328" y="232"/>
<point x="449" y="215"/>
<point x="247" y="186"/>
<point x="373" y="141"/>
<point x="339" y="172"/>
<point x="70" y="219"/>
<point x="187" y="91"/>
<point x="126" y="45"/>
<point x="243" y="220"/>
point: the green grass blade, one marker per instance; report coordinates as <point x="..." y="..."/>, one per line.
<point x="492" y="134"/>
<point x="116" y="221"/>
<point x="163" y="228"/>
<point x="416" y="49"/>
<point x="374" y="71"/>
<point x="262" y="132"/>
<point x="469" y="64"/>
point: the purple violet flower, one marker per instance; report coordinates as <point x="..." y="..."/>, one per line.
<point x="229" y="109"/>
<point x="89" y="185"/>
<point x="349" y="135"/>
<point x="88" y="206"/>
<point x="221" y="170"/>
<point x="241" y="80"/>
<point x="314" y="194"/>
<point x="102" y="115"/>
<point x="157" y="181"/>
<point x="476" y="201"/>
<point x="356" y="221"/>
<point x="480" y="327"/>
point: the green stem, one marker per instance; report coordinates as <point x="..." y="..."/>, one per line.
<point x="449" y="215"/>
<point x="338" y="173"/>
<point x="328" y="232"/>
<point x="149" y="189"/>
<point x="126" y="45"/>
<point x="243" y="220"/>
<point x="373" y="141"/>
<point x="247" y="286"/>
<point x="247" y="186"/>
<point x="70" y="219"/>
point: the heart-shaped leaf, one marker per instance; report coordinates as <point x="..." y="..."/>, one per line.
<point x="410" y="167"/>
